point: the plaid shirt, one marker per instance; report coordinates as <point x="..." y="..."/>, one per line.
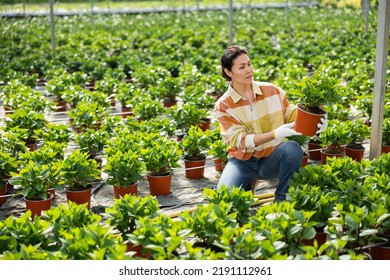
<point x="240" y="121"/>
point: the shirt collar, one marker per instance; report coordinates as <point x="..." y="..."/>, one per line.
<point x="236" y="97"/>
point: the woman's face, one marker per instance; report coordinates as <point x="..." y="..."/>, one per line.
<point x="242" y="70"/>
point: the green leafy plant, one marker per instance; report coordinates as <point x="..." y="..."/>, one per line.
<point x="334" y="137"/>
<point x="314" y="92"/>
<point x="148" y="109"/>
<point x="124" y="213"/>
<point x="87" y="115"/>
<point x="161" y="235"/>
<point x="239" y="199"/>
<point x="196" y="143"/>
<point x="92" y="141"/>
<point x="34" y="180"/>
<point x="386" y="132"/>
<point x="281" y="222"/>
<point x="218" y="150"/>
<point x="208" y="221"/>
<point x="357" y="132"/>
<point x="160" y="154"/>
<point x="124" y="168"/>
<point x="18" y="231"/>
<point x="185" y="116"/>
<point x="8" y="164"/>
<point x="54" y="132"/>
<point x="32" y="123"/>
<point x="78" y="171"/>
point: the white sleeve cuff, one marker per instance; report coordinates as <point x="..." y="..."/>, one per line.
<point x="250" y="141"/>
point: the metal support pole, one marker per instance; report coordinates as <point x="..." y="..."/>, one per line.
<point x="382" y="47"/>
<point x="91" y="2"/>
<point x="230" y="22"/>
<point x="52" y="26"/>
<point x="366" y="13"/>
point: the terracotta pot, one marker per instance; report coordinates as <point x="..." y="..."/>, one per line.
<point x="79" y="197"/>
<point x="325" y="155"/>
<point x="160" y="185"/>
<point x="169" y="103"/>
<point x="219" y="164"/>
<point x="138" y="250"/>
<point x="3" y="191"/>
<point x="37" y="206"/>
<point x="306" y="122"/>
<point x="60" y="106"/>
<point x="305" y="160"/>
<point x="126" y="112"/>
<point x="32" y="146"/>
<point x="355" y="153"/>
<point x="122" y="191"/>
<point x="314" y="149"/>
<point x="194" y="168"/>
<point x="52" y="191"/>
<point x="385" y="149"/>
<point x="380" y="252"/>
<point x="205" y="124"/>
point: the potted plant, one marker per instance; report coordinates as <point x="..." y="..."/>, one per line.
<point x="386" y="136"/>
<point x="357" y="133"/>
<point x="8" y="164"/>
<point x="169" y="89"/>
<point x="313" y="93"/>
<point x="126" y="95"/>
<point x="333" y="138"/>
<point x="124" y="171"/>
<point x="161" y="236"/>
<point x="185" y="116"/>
<point x="57" y="86"/>
<point x="54" y="132"/>
<point x="77" y="174"/>
<point x="218" y="150"/>
<point x="195" y="145"/>
<point x="33" y="182"/>
<point x="87" y="115"/>
<point x="124" y="213"/>
<point x="30" y="125"/>
<point x="148" y="109"/>
<point x="93" y="141"/>
<point x="160" y="155"/>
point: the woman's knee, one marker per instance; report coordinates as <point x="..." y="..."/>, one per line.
<point x="293" y="152"/>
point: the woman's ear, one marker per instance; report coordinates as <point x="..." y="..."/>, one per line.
<point x="227" y="72"/>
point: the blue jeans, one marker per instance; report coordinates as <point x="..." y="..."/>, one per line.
<point x="281" y="164"/>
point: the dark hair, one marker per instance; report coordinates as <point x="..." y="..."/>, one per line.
<point x="228" y="56"/>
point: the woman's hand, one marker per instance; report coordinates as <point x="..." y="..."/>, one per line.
<point x="285" y="130"/>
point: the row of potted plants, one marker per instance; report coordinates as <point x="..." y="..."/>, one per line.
<point x="224" y="227"/>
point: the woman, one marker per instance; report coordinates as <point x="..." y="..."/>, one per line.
<point x="255" y="117"/>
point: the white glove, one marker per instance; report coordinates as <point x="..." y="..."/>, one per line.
<point x="322" y="125"/>
<point x="285" y="130"/>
